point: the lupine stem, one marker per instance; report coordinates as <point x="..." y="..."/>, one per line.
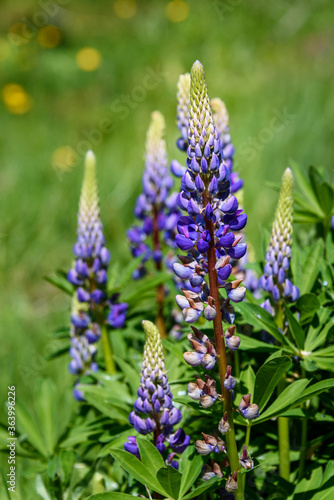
<point x="160" y="322"/>
<point x="303" y="445"/>
<point x="107" y="351"/>
<point x="283" y="439"/>
<point x="231" y="444"/>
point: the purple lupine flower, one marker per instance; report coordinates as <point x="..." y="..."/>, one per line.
<point x="248" y="410"/>
<point x="275" y="279"/>
<point x="221" y="120"/>
<point x="156" y="206"/>
<point x="245" y="462"/>
<point x="131" y="446"/>
<point x="88" y="275"/>
<point x="182" y="114"/>
<point x="154" y="410"/>
<point x="210" y="444"/>
<point x="204" y="353"/>
<point x="205" y="196"/>
<point x="205" y="392"/>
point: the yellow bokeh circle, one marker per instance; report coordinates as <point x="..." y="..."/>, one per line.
<point x="177" y="11"/>
<point x="16" y="99"/>
<point x="49" y="36"/>
<point x="88" y="59"/>
<point x="125" y="8"/>
<point x="64" y="158"/>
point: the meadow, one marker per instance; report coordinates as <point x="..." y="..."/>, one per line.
<point x="92" y="82"/>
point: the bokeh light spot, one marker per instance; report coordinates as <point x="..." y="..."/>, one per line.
<point x="49" y="36"/>
<point x="125" y="8"/>
<point x="16" y="99"/>
<point x="64" y="158"/>
<point x="88" y="59"/>
<point x="177" y="11"/>
<point x="20" y="34"/>
<point x="5" y="49"/>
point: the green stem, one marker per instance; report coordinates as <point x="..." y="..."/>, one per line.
<point x="107" y="351"/>
<point x="231" y="444"/>
<point x="247" y="439"/>
<point x="283" y="440"/>
<point x="303" y="445"/>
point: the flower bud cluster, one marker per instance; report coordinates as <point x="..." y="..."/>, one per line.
<point x="154" y="411"/>
<point x="276" y="270"/>
<point x="205" y="196"/>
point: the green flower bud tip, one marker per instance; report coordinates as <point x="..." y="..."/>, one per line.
<point x="89" y="200"/>
<point x="282" y="226"/>
<point x="156" y="153"/>
<point x="153" y="351"/>
<point x="200" y="110"/>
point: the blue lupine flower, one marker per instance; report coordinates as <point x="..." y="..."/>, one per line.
<point x="156" y="206"/>
<point x="89" y="277"/>
<point x="276" y="270"/>
<point x="210" y="444"/>
<point x="205" y="196"/>
<point x="154" y="410"/>
<point x="248" y="410"/>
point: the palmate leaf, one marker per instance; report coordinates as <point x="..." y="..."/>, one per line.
<point x="309" y="268"/>
<point x="136" y="469"/>
<point x="305" y="186"/>
<point x="267" y="379"/>
<point x="317" y="335"/>
<point x="28" y="426"/>
<point x="308" y="305"/>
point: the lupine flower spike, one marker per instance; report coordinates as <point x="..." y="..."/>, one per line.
<point x="276" y="270"/>
<point x="92" y="308"/>
<point x="154" y="411"/>
<point x="155" y="208"/>
<point x="207" y="234"/>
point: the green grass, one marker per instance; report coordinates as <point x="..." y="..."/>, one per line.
<point x="260" y="59"/>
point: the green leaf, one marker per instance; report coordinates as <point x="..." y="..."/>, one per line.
<point x="295" y="329"/>
<point x="149" y="455"/>
<point x="131" y="375"/>
<point x="260" y="318"/>
<point x="284" y="401"/>
<point x="310" y="268"/>
<point x="60" y="281"/>
<point x="326" y="492"/>
<point x="105" y="402"/>
<point x="173" y="348"/>
<point x="207" y="485"/>
<point x="305" y="186"/>
<point x="190" y="467"/>
<point x="306" y="217"/>
<point x="170" y="480"/>
<point x="148" y="285"/>
<point x="136" y="469"/>
<point x="28" y="426"/>
<point x="317" y="336"/>
<point x="66" y="460"/>
<point x="46" y="406"/>
<point x="326" y="198"/>
<point x="247" y="379"/>
<point x="267" y="379"/>
<point x="251" y="344"/>
<point x="308" y="305"/>
<point x="329" y="472"/>
<point x="112" y="495"/>
<point x="313" y="391"/>
<point x="41" y="489"/>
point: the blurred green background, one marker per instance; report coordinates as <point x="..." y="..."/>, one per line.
<point x="81" y="74"/>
